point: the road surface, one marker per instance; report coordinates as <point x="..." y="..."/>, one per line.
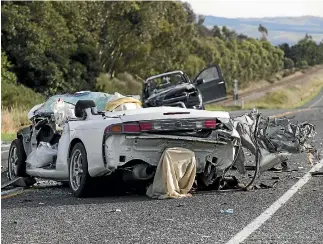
<point x="283" y="214"/>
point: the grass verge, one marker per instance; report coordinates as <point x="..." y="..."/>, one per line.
<point x="8" y="137"/>
<point x="12" y="120"/>
<point x="292" y="97"/>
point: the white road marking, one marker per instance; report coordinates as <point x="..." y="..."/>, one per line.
<point x="4" y="151"/>
<point x="270" y="211"/>
<point x="316" y="102"/>
<point x="261" y="219"/>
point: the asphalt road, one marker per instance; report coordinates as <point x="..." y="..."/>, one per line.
<point x="52" y="215"/>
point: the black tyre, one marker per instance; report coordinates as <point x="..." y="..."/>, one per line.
<point x="79" y="179"/>
<point x="16" y="160"/>
<point x="65" y="183"/>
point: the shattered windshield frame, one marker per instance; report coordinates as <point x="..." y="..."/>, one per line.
<point x="155" y="84"/>
<point x="99" y="98"/>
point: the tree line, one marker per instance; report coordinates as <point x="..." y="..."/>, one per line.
<point x="305" y="53"/>
<point x="55" y="47"/>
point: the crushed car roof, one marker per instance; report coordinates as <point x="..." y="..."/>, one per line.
<point x="100" y="99"/>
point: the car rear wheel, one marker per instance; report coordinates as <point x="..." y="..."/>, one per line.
<point x="79" y="178"/>
<point x="16" y="160"/>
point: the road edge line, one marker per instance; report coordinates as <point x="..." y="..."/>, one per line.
<point x="316" y="102"/>
<point x="272" y="209"/>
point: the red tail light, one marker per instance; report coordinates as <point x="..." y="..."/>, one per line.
<point x="123" y="128"/>
<point x="161" y="125"/>
<point x="209" y="123"/>
<point x="131" y="128"/>
<point x="146" y="126"/>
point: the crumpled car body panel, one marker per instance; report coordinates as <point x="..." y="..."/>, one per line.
<point x="273" y="139"/>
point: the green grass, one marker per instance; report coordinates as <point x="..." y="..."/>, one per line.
<point x="16" y="101"/>
<point x="11" y="121"/>
<point x="8" y="137"/>
<point x="222" y="108"/>
<point x="308" y="99"/>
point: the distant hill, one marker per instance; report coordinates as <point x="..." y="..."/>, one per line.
<point x="280" y="29"/>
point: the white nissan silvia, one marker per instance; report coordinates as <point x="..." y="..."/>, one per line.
<point x="72" y="138"/>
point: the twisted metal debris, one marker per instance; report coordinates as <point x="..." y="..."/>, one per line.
<point x="272" y="140"/>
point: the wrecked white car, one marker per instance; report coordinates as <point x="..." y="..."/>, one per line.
<point x="86" y="136"/>
<point x="92" y="141"/>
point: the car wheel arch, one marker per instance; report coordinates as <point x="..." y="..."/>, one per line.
<point x="72" y="144"/>
<point x="70" y="149"/>
<point x="23" y="135"/>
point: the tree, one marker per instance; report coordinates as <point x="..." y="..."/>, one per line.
<point x="286" y="48"/>
<point x="225" y="32"/>
<point x="302" y="64"/>
<point x="263" y="31"/>
<point x="217" y="32"/>
<point x="191" y="17"/>
<point x="200" y="20"/>
<point x="308" y="37"/>
<point x="6" y="75"/>
<point x="242" y="37"/>
<point x="288" y="63"/>
<point x="43" y="60"/>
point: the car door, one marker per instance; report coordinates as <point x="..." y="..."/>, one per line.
<point x="211" y="84"/>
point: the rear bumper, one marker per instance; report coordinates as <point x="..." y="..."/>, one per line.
<point x="121" y="149"/>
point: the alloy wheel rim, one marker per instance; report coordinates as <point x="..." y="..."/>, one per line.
<point x="76" y="169"/>
<point x="13" y="160"/>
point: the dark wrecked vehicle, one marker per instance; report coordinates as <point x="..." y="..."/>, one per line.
<point x="176" y="89"/>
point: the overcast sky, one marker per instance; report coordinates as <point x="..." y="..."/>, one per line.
<point x="257" y="8"/>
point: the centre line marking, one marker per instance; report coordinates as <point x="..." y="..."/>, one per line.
<point x="261" y="219"/>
